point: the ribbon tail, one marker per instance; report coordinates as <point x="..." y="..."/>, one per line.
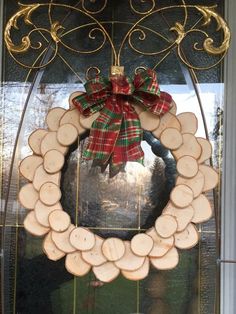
<point x="103" y="134"/>
<point x="128" y="144"/>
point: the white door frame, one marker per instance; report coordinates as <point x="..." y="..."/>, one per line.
<point x="228" y="211"/>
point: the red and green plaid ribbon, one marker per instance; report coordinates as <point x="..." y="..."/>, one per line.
<point x="116" y="135"/>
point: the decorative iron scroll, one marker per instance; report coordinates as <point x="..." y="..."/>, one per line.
<point x="137" y="33"/>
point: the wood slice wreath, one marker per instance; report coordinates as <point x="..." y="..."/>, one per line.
<point x="174" y="229"/>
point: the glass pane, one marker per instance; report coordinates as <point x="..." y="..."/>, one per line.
<point x="128" y="203"/>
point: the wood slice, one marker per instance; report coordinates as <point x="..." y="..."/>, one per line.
<point x="50" y="249"/>
<point x="149" y="121"/>
<point x="210" y="177"/>
<point x="183" y="216"/>
<point x="142" y="244"/>
<point x="49" y="193"/>
<point x="41" y="177"/>
<point x="53" y="161"/>
<point x="72" y="117"/>
<point x="166" y="226"/>
<point x="95" y="256"/>
<point x="202" y="209"/>
<point x="187" y="167"/>
<point x="187" y="238"/>
<point x="168" y="120"/>
<point x="82" y="239"/>
<point x="171" y="138"/>
<point x="75" y="264"/>
<point x="72" y="96"/>
<point x="35" y="140"/>
<point x="53" y="118"/>
<point x="181" y="196"/>
<point x="62" y="240"/>
<point x="129" y="260"/>
<point x="106" y="272"/>
<point x="28" y="196"/>
<point x="50" y="142"/>
<point x="173" y="108"/>
<point x="206" y="149"/>
<point x="190" y="147"/>
<point x="161" y="246"/>
<point x="59" y="220"/>
<point x="196" y="183"/>
<point x="67" y="134"/>
<point x="188" y="121"/>
<point x="113" y="249"/>
<point x="33" y="227"/>
<point x="169" y="261"/>
<point x="138" y="274"/>
<point x="42" y="212"/>
<point x="87" y="122"/>
<point x="138" y="108"/>
<point x="28" y="166"/>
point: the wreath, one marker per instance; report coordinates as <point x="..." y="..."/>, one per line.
<point x="116" y="111"/>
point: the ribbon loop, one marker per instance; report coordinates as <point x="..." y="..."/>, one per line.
<point x="116" y="135"/>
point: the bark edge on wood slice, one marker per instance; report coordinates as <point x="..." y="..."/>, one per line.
<point x="75" y="264"/>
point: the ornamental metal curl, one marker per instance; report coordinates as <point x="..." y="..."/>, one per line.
<point x="136" y="38"/>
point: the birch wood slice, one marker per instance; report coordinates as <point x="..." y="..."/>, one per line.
<point x="82" y="239"/>
<point x="129" y="261"/>
<point x="138" y="108"/>
<point x="53" y="118"/>
<point x="67" y="134"/>
<point x="169" y="261"/>
<point x="72" y="117"/>
<point x="62" y="240"/>
<point x="33" y="227"/>
<point x="210" y="177"/>
<point x="202" y="209"/>
<point x="190" y="147"/>
<point x="49" y="193"/>
<point x="43" y="211"/>
<point x="87" y="122"/>
<point x="50" y="142"/>
<point x="161" y="246"/>
<point x="187" y="166"/>
<point x="59" y="220"/>
<point x="35" y="140"/>
<point x="171" y="138"/>
<point x="142" y="244"/>
<point x="76" y="265"/>
<point x="168" y="120"/>
<point x="206" y="149"/>
<point x="181" y="196"/>
<point x="28" y="166"/>
<point x="95" y="256"/>
<point x="106" y="272"/>
<point x="196" y="183"/>
<point x="72" y="96"/>
<point x="183" y="216"/>
<point x="187" y="238"/>
<point x="53" y="161"/>
<point x="28" y="196"/>
<point x="173" y="108"/>
<point x="149" y="121"/>
<point x="113" y="249"/>
<point x="188" y="121"/>
<point x="50" y="249"/>
<point x="41" y="177"/>
<point x="166" y="226"/>
<point x="138" y="274"/>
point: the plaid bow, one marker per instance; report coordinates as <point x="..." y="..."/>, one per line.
<point x="116" y="135"/>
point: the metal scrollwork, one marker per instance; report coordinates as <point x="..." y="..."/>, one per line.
<point x="137" y="37"/>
